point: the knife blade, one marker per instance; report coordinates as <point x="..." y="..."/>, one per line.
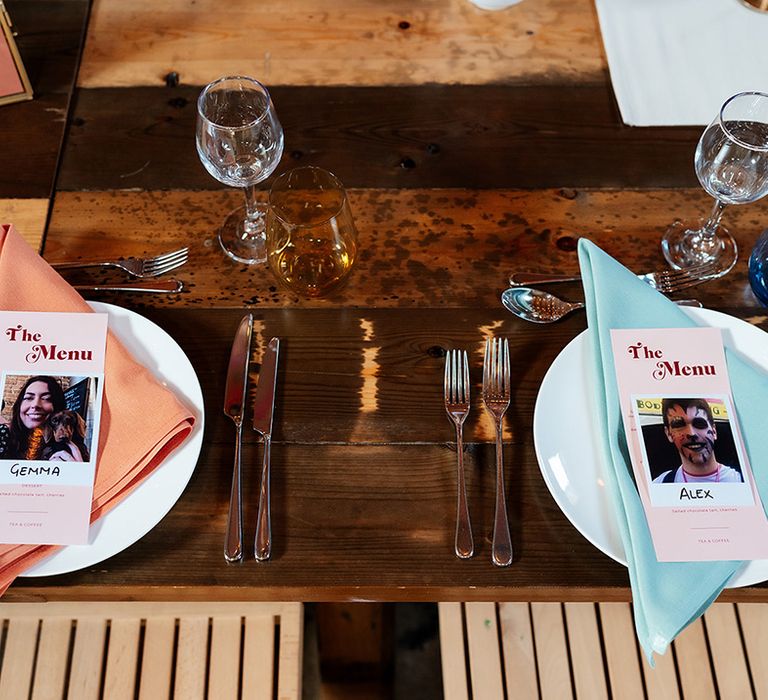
<point x="234" y="399"/>
<point x="263" y="410"/>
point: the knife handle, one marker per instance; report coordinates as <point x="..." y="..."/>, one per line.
<point x="233" y="542"/>
<point x="263" y="545"/>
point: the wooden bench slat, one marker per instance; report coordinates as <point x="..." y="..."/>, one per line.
<point x="730" y="664"/>
<point x="224" y="667"/>
<point x="517" y="650"/>
<point x="484" y="653"/>
<point x="122" y="659"/>
<point x="693" y="663"/>
<point x="52" y="659"/>
<point x="157" y="658"/>
<point x="19" y="659"/>
<point x="191" y="658"/>
<point x="87" y="659"/>
<point x="291" y="643"/>
<point x="661" y="680"/>
<point x="621" y="649"/>
<point x="452" y="652"/>
<point x="551" y="651"/>
<point x="754" y="626"/>
<point x="258" y="656"/>
<point x="586" y="651"/>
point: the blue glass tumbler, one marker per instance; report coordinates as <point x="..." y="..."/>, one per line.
<point x="758" y="269"/>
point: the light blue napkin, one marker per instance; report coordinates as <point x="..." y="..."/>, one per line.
<point x="667" y="596"/>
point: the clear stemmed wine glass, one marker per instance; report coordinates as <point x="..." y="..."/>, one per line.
<point x="240" y="142"/>
<point x="732" y="165"/>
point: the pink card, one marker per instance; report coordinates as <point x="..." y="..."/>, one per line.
<point x="688" y="457"/>
<point x="52" y="373"/>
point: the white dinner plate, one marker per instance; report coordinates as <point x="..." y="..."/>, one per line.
<point x="146" y="506"/>
<point x="567" y="443"/>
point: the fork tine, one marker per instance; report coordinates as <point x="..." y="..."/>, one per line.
<point x="168" y="258"/>
<point x="506" y="370"/>
<point x="465" y="387"/>
<point x="487" y="367"/>
<point x="454" y="385"/>
<point x="170" y="255"/>
<point x="447" y="378"/>
<point x="165" y="267"/>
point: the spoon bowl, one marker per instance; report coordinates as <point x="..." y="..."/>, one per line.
<point x="537" y="306"/>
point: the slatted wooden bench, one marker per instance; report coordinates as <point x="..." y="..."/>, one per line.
<point x="151" y="651"/>
<point x="492" y="651"/>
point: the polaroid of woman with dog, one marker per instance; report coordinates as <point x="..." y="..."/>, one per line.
<point x="48" y="418"/>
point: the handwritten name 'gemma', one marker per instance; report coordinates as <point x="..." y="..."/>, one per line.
<point x="41" y="470"/>
<point x="45" y="351"/>
<point x="664" y="368"/>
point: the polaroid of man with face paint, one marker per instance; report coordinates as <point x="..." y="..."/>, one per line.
<point x="690" y="426"/>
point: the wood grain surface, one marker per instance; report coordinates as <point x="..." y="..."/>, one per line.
<point x="323" y="42"/>
<point x="532" y="136"/>
<point x="418" y="248"/>
<point x="28" y="215"/>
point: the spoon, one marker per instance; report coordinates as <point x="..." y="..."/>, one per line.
<point x="538" y="306"/>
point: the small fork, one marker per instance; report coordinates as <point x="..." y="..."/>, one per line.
<point x="496" y="397"/>
<point x="136" y="267"/>
<point x="456" y="395"/>
<point x="665" y="281"/>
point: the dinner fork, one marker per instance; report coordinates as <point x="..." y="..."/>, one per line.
<point x="665" y="281"/>
<point x="496" y="397"/>
<point x="456" y="395"/>
<point x="136" y="267"/>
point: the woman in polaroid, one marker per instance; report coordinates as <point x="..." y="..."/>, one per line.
<point x="39" y="398"/>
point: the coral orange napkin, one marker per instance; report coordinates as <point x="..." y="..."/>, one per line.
<point x="133" y="441"/>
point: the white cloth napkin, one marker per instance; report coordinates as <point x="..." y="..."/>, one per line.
<point x="674" y="62"/>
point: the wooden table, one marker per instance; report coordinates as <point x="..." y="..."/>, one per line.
<point x="473" y="144"/>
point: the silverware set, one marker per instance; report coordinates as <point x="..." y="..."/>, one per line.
<point x="140" y="268"/>
<point x="538" y="306"/>
<point x="235" y="393"/>
<point x="496" y="398"/>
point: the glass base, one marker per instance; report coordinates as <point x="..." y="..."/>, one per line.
<point x="684" y="247"/>
<point x="244" y="241"/>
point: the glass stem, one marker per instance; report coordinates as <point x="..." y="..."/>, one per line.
<point x="710" y="228"/>
<point x="253" y="224"/>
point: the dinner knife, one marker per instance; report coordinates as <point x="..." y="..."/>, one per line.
<point x="234" y="399"/>
<point x="263" y="410"/>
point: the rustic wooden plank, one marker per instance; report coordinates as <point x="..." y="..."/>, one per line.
<point x="452" y="659"/>
<point x="728" y="657"/>
<point x="357" y="43"/>
<point x="661" y="680"/>
<point x="192" y="657"/>
<point x="693" y="663"/>
<point x="157" y="657"/>
<point x="484" y="651"/>
<point x="224" y="657"/>
<point x="423" y="248"/>
<point x="121" y="675"/>
<point x="52" y="658"/>
<point x="87" y="658"/>
<point x="586" y="651"/>
<point x="258" y="656"/>
<point x="532" y="136"/>
<point x="621" y="649"/>
<point x="289" y="675"/>
<point x="517" y="648"/>
<point x="29" y="216"/>
<point x="49" y="38"/>
<point x="551" y="651"/>
<point x="19" y="658"/>
<point x="754" y="626"/>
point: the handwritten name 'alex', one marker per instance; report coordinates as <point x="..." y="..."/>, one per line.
<point x="41" y="350"/>
<point x="664" y="368"/>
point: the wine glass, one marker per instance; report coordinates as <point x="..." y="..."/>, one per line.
<point x="240" y="142"/>
<point x="732" y="165"/>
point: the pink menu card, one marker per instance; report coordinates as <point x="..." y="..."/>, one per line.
<point x="688" y="458"/>
<point x="52" y="374"/>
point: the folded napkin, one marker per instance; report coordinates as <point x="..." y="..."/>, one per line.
<point x="667" y="596"/>
<point x="133" y="441"/>
<point x="674" y="62"/>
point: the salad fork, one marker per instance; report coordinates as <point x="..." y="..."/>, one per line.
<point x="665" y="281"/>
<point x="496" y="397"/>
<point x="136" y="267"/>
<point x="456" y="395"/>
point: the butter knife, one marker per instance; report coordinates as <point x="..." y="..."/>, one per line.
<point x="263" y="410"/>
<point x="234" y="400"/>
